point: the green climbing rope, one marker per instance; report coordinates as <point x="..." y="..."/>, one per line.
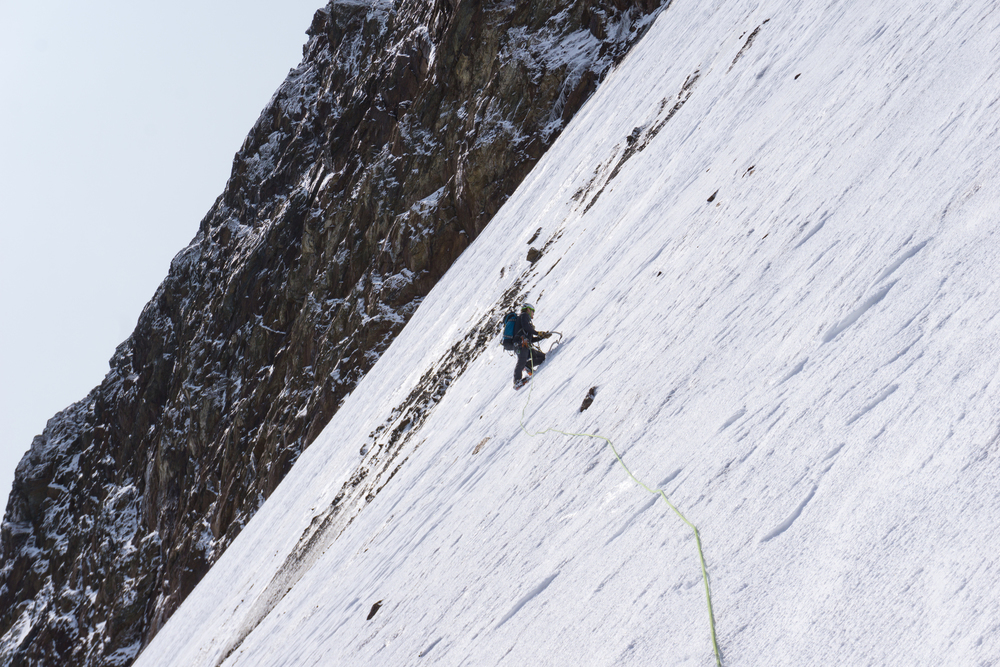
<point x="659" y="492"/>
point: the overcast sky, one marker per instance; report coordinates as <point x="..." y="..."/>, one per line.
<point x="118" y="125"/>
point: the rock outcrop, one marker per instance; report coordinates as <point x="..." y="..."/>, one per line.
<point x="377" y="162"/>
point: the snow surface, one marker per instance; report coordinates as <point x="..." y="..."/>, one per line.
<point x="807" y="365"/>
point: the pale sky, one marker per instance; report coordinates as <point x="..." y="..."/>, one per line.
<point x="119" y="125"/>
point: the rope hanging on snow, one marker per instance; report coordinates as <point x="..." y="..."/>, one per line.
<point x="659" y="492"/>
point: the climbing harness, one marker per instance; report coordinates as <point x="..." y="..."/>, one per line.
<point x="552" y="346"/>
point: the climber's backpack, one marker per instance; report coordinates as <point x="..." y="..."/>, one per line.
<point x="509" y="325"/>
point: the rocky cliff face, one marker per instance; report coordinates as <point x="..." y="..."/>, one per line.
<point x="383" y="155"/>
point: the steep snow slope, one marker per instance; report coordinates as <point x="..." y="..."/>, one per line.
<point x="769" y="242"/>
